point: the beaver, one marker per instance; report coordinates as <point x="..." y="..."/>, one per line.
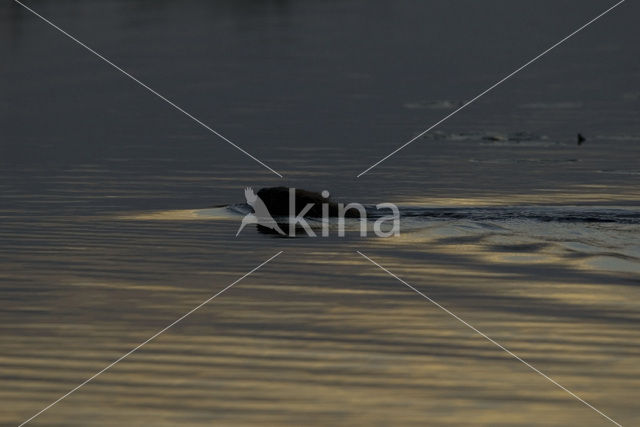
<point x="277" y="201"/>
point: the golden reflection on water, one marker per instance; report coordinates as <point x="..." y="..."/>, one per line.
<point x="180" y="215"/>
<point x="576" y="194"/>
<point x="318" y="337"/>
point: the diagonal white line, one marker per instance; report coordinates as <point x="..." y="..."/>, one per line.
<point x="489" y="338"/>
<point x="466" y="104"/>
<point x="174" y="105"/>
<point x="146" y="341"/>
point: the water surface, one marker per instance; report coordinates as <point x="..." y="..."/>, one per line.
<point x="106" y="236"/>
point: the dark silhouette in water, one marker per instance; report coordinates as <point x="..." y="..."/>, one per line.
<point x="277" y="201"/>
<point x="581" y="139"/>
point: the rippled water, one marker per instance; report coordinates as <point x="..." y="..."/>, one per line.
<point x="111" y="225"/>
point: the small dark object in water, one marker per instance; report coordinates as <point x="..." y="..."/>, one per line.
<point x="493" y="138"/>
<point x="581" y="139"/>
<point x="277" y="201"/>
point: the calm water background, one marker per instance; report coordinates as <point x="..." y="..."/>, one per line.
<point x="319" y="91"/>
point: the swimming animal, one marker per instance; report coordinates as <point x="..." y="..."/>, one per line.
<point x="276" y="200"/>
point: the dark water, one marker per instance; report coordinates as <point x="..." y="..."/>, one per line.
<point x="107" y="236"/>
